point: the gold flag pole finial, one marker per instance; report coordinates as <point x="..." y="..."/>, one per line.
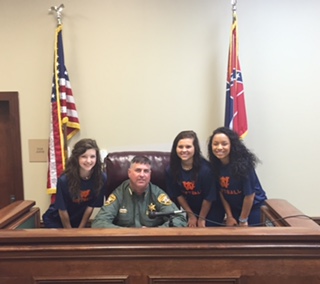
<point x="58" y="10"/>
<point x="234" y="5"/>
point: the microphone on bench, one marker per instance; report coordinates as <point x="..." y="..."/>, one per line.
<point x="153" y="214"/>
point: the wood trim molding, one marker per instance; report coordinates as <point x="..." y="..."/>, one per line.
<point x="14" y="210"/>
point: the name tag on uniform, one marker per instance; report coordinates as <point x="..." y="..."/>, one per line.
<point x="123" y="210"/>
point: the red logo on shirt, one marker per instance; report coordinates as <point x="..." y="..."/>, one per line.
<point x="84" y="196"/>
<point x="224" y="182"/>
<point x="189" y="185"/>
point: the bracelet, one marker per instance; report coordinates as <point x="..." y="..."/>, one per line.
<point x="245" y="220"/>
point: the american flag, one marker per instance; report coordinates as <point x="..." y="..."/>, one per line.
<point x="64" y="117"/>
<point x="235" y="113"/>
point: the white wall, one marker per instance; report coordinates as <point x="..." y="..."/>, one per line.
<point x="143" y="70"/>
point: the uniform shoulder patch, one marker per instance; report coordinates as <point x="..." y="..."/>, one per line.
<point x="112" y="198"/>
<point x="164" y="199"/>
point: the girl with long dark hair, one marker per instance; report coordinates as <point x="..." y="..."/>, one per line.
<point x="190" y="182"/>
<point x="79" y="189"/>
<point x="234" y="167"/>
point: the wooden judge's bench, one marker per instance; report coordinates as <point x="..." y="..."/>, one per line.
<point x="284" y="251"/>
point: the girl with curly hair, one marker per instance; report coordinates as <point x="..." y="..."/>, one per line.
<point x="234" y="168"/>
<point x="190" y="181"/>
<point x="79" y="189"/>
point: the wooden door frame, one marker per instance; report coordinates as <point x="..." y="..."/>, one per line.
<point x="15" y="138"/>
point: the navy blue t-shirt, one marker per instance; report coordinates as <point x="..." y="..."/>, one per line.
<point x="234" y="190"/>
<point x="194" y="191"/>
<point x="76" y="208"/>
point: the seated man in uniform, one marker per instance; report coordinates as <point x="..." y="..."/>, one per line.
<point x="130" y="204"/>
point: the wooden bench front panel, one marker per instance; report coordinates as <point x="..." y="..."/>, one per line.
<point x="161" y="256"/>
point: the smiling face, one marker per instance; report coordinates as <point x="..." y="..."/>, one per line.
<point x="87" y="161"/>
<point x="185" y="150"/>
<point x="221" y="147"/>
<point x="139" y="175"/>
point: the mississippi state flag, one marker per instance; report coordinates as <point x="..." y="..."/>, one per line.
<point x="235" y="114"/>
<point x="64" y="123"/>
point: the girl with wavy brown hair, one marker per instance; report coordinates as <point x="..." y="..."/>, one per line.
<point x="79" y="189"/>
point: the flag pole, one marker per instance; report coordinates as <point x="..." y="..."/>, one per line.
<point x="235" y="113"/>
<point x="64" y="121"/>
<point x="58" y="11"/>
